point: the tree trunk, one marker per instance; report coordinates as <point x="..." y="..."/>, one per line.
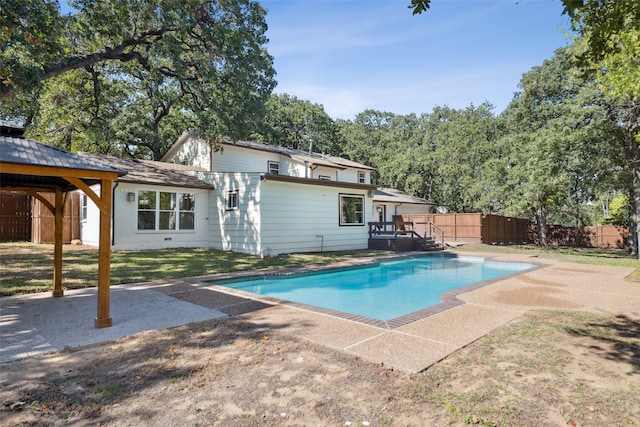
<point x="540" y="215"/>
<point x="634" y="197"/>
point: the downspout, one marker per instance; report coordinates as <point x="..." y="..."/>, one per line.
<point x="113" y="214"/>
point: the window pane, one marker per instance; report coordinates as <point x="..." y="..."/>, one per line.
<point x="274" y="168"/>
<point x="232" y="199"/>
<point x="351" y="210"/>
<point x="146" y="200"/>
<point x="146" y="220"/>
<point x="167" y="201"/>
<point x="187" y="202"/>
<point x="167" y="220"/>
<point x="186" y="221"/>
<point x="83" y="204"/>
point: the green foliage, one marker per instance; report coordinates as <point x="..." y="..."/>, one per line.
<point x="556" y="136"/>
<point x="134" y="74"/>
<point x="291" y="122"/>
<point x="438" y="156"/>
<point x="619" y="210"/>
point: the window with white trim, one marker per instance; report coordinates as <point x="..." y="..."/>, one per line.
<point x="362" y="177"/>
<point x="351" y="209"/>
<point x="273" y="167"/>
<point x="232" y="200"/>
<point x="324" y="177"/>
<point x="83" y="207"/>
<point x="163" y="210"/>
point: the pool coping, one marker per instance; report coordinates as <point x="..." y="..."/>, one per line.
<point x="449" y="299"/>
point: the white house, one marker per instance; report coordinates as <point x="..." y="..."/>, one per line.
<point x="156" y="205"/>
<point x="247" y="197"/>
<point x="269" y="200"/>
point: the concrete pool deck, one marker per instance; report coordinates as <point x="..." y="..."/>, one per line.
<point x="409" y="347"/>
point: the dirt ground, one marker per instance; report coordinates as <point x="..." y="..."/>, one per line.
<point x="548" y="368"/>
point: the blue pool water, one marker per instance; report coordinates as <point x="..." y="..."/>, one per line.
<point x="383" y="291"/>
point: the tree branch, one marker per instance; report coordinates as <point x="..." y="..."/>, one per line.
<point x="121" y="52"/>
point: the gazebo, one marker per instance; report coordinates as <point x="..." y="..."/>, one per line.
<point x="35" y="168"/>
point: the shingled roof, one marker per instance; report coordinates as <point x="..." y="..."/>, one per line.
<point x="391" y="195"/>
<point x="151" y="172"/>
<point x="15" y="149"/>
<point x="297" y="155"/>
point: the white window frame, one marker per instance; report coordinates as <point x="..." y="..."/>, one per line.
<point x="273" y="167"/>
<point x="344" y="219"/>
<point x="177" y="212"/>
<point x="324" y="177"/>
<point x="83" y="206"/>
<point x="231" y="200"/>
<point x="362" y="177"/>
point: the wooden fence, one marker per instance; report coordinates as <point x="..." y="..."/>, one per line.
<point x="599" y="236"/>
<point x="15" y="217"/>
<point x="477" y="228"/>
<point x="25" y="219"/>
<point x="496" y="229"/>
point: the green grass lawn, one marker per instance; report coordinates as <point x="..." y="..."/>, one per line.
<point x="27" y="267"/>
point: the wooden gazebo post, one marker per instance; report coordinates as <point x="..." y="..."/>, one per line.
<point x="104" y="272"/>
<point x="57" y="243"/>
<point x="103" y="202"/>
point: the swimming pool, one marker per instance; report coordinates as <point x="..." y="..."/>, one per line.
<point x="383" y="291"/>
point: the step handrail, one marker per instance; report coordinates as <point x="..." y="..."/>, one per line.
<point x="429" y="231"/>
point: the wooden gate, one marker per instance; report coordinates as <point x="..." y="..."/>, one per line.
<point x="15" y="217"/>
<point x="44" y="221"/>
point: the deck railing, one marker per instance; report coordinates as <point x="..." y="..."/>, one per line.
<point x="396" y="229"/>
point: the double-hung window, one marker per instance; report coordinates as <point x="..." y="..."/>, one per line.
<point x="273" y="167"/>
<point x="163" y="210"/>
<point x="362" y="177"/>
<point x="351" y="209"/>
<point x="232" y="200"/>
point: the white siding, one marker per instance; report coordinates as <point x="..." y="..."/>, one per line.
<point x="290" y="167"/>
<point x="193" y="152"/>
<point x="124" y="227"/>
<point x="409" y="209"/>
<point x="305" y="218"/>
<point x="351" y="175"/>
<point x="90" y="227"/>
<point x="321" y="170"/>
<point x="235" y="230"/>
<point x="239" y="159"/>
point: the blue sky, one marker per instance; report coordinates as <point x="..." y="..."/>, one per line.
<point x="351" y="55"/>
